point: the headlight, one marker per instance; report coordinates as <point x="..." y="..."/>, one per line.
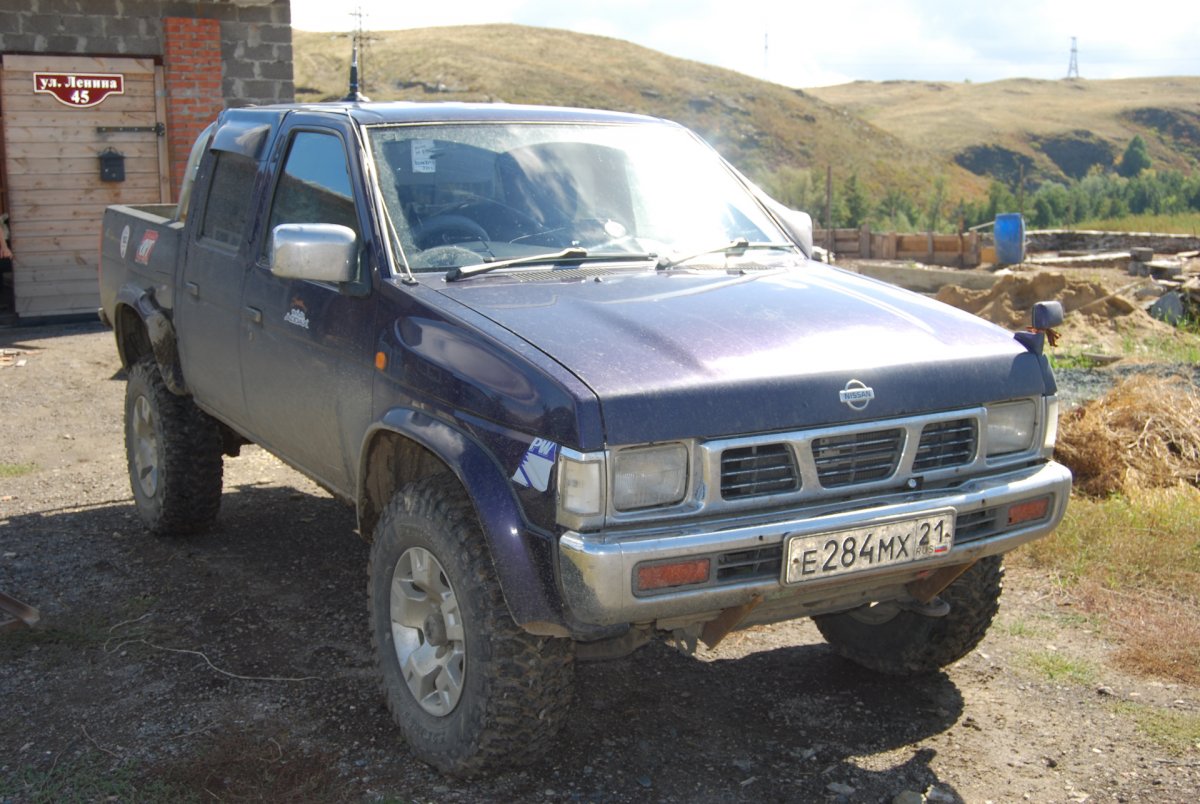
<point x="648" y="477"/>
<point x="1010" y="427"/>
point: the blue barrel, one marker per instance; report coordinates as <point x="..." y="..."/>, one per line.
<point x="1010" y="238"/>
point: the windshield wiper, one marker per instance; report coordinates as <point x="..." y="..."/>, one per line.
<point x="572" y="254"/>
<point x="734" y="248"/>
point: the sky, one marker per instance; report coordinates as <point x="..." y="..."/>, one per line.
<point x="800" y="44"/>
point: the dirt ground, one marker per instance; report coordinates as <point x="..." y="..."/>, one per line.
<point x="236" y="666"/>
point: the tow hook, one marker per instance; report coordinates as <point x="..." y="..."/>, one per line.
<point x="934" y="608"/>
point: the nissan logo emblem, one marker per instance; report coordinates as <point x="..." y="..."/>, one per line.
<point x="856" y="395"/>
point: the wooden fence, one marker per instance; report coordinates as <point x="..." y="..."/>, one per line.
<point x="958" y="251"/>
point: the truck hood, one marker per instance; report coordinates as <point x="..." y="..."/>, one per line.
<point x="683" y="353"/>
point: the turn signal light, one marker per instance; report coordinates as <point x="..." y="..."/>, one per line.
<point x="1028" y="511"/>
<point x="680" y="573"/>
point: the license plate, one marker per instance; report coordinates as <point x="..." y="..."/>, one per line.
<point x="840" y="552"/>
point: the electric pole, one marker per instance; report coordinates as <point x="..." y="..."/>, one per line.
<point x="1073" y="69"/>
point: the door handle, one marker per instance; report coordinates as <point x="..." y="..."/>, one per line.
<point x="192" y="288"/>
<point x="253" y="313"/>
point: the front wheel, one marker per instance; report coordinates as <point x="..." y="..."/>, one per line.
<point x="904" y="643"/>
<point x="174" y="454"/>
<point x="470" y="690"/>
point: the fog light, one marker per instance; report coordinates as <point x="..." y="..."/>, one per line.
<point x="1028" y="511"/>
<point x="679" y="573"/>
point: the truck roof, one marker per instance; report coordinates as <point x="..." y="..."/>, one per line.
<point x="373" y="113"/>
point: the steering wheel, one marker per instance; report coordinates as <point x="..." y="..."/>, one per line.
<point x="444" y="230"/>
<point x="443" y="257"/>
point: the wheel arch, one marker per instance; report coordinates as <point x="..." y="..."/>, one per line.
<point x="407" y="445"/>
<point x="142" y="327"/>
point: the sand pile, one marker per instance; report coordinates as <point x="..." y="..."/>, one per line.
<point x="1096" y="318"/>
<point x="1144" y="433"/>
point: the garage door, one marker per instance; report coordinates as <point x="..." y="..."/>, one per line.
<point x="60" y="113"/>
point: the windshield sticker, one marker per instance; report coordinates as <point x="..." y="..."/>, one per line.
<point x="534" y="471"/>
<point x="423" y="157"/>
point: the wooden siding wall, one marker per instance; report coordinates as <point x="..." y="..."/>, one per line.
<point x="55" y="196"/>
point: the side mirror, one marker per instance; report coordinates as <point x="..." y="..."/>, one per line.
<point x="799" y="228"/>
<point x="1047" y="315"/>
<point x="320" y="252"/>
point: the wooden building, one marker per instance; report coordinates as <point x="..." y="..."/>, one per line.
<point x="100" y="102"/>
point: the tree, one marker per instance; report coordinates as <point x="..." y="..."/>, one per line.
<point x="858" y="205"/>
<point x="937" y="199"/>
<point x="1136" y="158"/>
<point x="795" y="188"/>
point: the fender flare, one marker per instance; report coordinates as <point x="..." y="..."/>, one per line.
<point x="523" y="559"/>
<point x="159" y="330"/>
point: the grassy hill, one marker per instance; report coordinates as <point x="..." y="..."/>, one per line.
<point x="895" y="134"/>
<point x="1054" y="129"/>
<point x="759" y="126"/>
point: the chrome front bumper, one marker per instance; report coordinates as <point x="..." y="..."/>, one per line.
<point x="597" y="571"/>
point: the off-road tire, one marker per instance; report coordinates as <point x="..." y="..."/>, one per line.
<point x="173" y="450"/>
<point x="913" y="644"/>
<point x="515" y="689"/>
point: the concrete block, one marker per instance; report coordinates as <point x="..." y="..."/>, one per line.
<point x="275" y="70"/>
<point x="1164" y="269"/>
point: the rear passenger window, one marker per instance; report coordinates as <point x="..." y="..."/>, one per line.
<point x="227" y="211"/>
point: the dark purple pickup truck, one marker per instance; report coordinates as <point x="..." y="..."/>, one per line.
<point x="585" y="388"/>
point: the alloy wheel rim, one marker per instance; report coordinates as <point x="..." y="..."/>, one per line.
<point x="145" y="446"/>
<point x="427" y="631"/>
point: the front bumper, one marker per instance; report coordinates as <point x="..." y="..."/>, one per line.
<point x="597" y="571"/>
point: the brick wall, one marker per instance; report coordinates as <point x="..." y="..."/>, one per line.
<point x="192" y="58"/>
<point x="215" y="53"/>
<point x="255" y="36"/>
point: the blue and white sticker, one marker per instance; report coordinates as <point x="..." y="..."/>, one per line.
<point x="535" y="468"/>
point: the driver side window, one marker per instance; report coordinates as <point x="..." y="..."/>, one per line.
<point x="314" y="185"/>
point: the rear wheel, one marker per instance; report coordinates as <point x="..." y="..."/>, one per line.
<point x="173" y="450"/>
<point x="902" y="642"/>
<point x="470" y="690"/>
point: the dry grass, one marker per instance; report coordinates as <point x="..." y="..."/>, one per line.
<point x="948" y="117"/>
<point x="1158" y="634"/>
<point x="759" y="126"/>
<point x="1129" y="547"/>
<point x="1145" y="433"/>
<point x="1185" y="223"/>
<point x="1135" y="561"/>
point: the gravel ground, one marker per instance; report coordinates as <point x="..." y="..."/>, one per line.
<point x="1076" y="385"/>
<point x="237" y="666"/>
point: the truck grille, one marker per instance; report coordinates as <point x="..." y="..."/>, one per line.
<point x="757" y="471"/>
<point x="745" y="565"/>
<point x="946" y="444"/>
<point x="847" y="460"/>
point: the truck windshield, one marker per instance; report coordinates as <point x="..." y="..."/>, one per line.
<point x="460" y="195"/>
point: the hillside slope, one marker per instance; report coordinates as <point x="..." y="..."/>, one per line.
<point x="759" y="126"/>
<point x="1052" y="129"/>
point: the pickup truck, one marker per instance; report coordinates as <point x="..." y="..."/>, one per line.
<point x="585" y="388"/>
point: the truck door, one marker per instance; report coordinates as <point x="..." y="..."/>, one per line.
<point x="308" y="347"/>
<point x="208" y="310"/>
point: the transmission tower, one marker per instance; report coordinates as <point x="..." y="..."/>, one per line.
<point x="1073" y="69"/>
